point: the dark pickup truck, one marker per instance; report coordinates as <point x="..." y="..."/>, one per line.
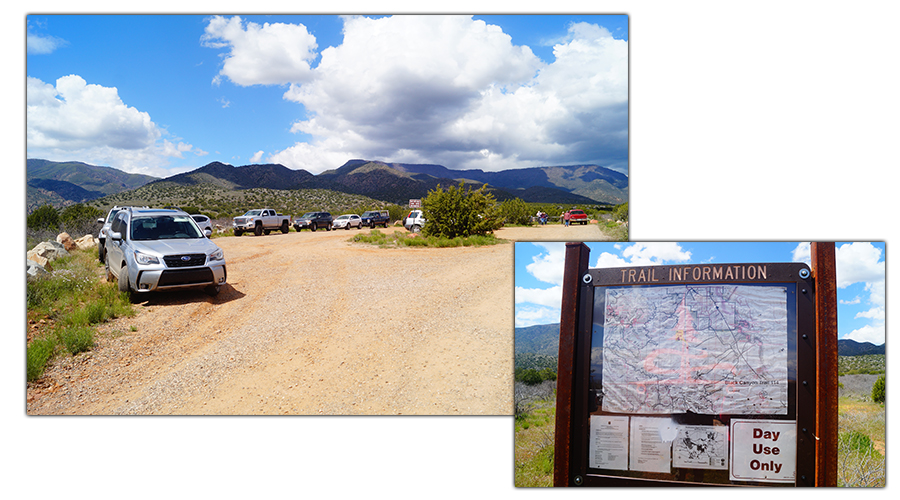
<point x="374" y="218"/>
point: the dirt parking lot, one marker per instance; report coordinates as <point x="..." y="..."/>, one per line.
<point x="310" y="323"/>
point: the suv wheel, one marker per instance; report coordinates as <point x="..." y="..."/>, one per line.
<point x="258" y="230"/>
<point x="213" y="290"/>
<point x="285" y="228"/>
<point x="124" y="286"/>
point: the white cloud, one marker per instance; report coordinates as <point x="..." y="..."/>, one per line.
<point x="549" y="267"/>
<point x="88" y="122"/>
<point x="439" y="89"/>
<point x="858" y="263"/>
<point x="256" y="157"/>
<point x="868" y="333"/>
<point x="271" y="54"/>
<point x="803" y="253"/>
<point x="43" y="44"/>
<point x="645" y="254"/>
<point x="530" y="316"/>
<point x="551" y="297"/>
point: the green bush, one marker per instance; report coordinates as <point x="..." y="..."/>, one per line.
<point x="37" y="355"/>
<point x="621" y="212"/>
<point x="459" y="211"/>
<point x="79" y="215"/>
<point x="44" y="217"/>
<point x="76" y="339"/>
<point x="855" y="441"/>
<point x="516" y="211"/>
<point x="878" y="390"/>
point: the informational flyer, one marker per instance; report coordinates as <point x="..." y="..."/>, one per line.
<point x="609" y="442"/>
<point x="651" y="444"/>
<point x="701" y="447"/>
<point x="707" y="349"/>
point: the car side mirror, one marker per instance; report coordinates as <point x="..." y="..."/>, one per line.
<point x="207" y="232"/>
<point x="101" y="221"/>
<point x="114" y="236"/>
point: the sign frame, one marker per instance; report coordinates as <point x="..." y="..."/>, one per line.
<point x="571" y="467"/>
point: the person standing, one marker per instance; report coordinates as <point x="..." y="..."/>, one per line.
<point x="566" y="218"/>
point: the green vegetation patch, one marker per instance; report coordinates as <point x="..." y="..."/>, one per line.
<point x="868" y="364"/>
<point x="400" y="239"/>
<point x="71" y="299"/>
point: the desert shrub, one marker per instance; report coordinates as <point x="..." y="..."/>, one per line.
<point x="78" y="215"/>
<point x="76" y="339"/>
<point x="459" y="211"/>
<point x="621" y="212"/>
<point x="37" y="355"/>
<point x="515" y="211"/>
<point x="44" y="217"/>
<point x="878" y="390"/>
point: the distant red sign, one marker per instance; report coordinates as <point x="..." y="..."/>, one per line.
<point x="415" y="203"/>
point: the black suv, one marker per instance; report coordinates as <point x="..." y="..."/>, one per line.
<point x="313" y="221"/>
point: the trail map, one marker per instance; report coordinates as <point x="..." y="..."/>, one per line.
<point x="706" y="349"/>
<point x="701" y="447"/>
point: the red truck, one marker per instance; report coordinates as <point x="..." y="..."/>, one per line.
<point x="577" y="216"/>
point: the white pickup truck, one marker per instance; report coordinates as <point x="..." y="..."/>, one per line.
<point x="261" y="220"/>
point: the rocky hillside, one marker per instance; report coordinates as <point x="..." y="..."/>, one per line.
<point x="65" y="183"/>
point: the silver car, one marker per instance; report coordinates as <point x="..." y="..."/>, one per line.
<point x="156" y="249"/>
<point x="347" y="221"/>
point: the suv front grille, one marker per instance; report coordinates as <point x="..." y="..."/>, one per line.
<point x="192" y="260"/>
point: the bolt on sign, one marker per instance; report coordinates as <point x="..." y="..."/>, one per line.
<point x="688" y="375"/>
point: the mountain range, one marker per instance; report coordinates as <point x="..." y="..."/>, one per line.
<point x="65" y="183"/>
<point x="544" y="339"/>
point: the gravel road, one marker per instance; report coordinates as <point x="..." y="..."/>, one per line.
<point x="310" y="323"/>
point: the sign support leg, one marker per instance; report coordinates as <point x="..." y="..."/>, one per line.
<point x="577" y="255"/>
<point x="824" y="272"/>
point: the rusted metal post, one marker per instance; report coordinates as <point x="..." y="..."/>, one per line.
<point x="576" y="266"/>
<point x="825" y="273"/>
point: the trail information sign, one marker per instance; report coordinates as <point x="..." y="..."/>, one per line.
<point x="689" y="375"/>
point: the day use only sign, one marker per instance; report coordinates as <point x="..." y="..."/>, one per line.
<point x="763" y="450"/>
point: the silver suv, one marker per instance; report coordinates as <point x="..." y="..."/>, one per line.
<point x="101" y="249"/>
<point x="157" y="249"/>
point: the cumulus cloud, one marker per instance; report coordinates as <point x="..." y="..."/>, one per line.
<point x="645" y="254"/>
<point x="440" y="89"/>
<point x="550" y="297"/>
<point x="549" y="267"/>
<point x="74" y="119"/>
<point x="271" y="54"/>
<point x="530" y="316"/>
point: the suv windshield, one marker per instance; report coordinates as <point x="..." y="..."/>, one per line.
<point x="163" y="227"/>
<point x="252" y="213"/>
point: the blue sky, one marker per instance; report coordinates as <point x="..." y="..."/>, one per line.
<point x="860" y="275"/>
<point x="164" y="94"/>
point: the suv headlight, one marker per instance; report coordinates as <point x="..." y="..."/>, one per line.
<point x="144" y="259"/>
<point x="217" y="255"/>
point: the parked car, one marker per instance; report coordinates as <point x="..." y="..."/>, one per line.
<point x="204" y="223"/>
<point x="104" y="229"/>
<point x="347" y="221"/>
<point x="313" y="221"/>
<point x="261" y="220"/>
<point x="577" y="216"/>
<point x="374" y="218"/>
<point x="414" y="221"/>
<point x="161" y="249"/>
